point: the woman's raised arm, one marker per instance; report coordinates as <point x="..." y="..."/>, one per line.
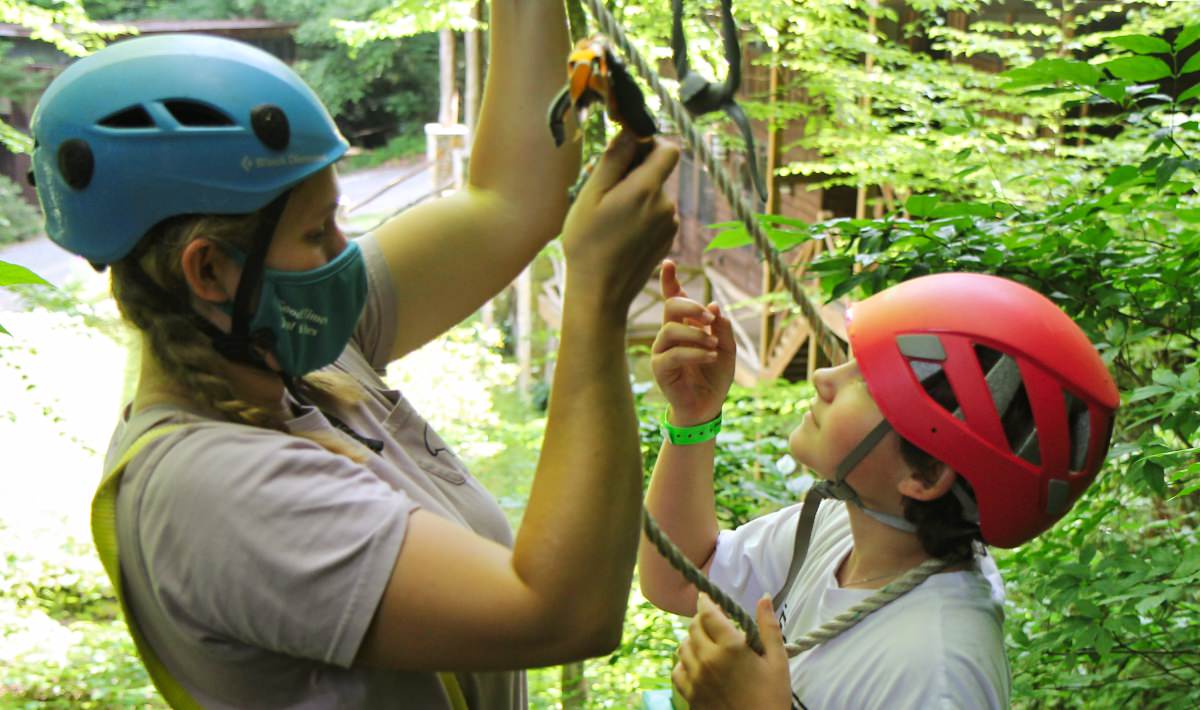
<point x="450" y="256"/>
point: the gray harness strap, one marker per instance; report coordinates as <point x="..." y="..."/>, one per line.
<point x="804" y="528"/>
<point x="840" y="490"/>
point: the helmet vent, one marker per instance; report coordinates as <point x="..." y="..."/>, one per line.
<point x="196" y="114"/>
<point x="1079" y="423"/>
<point x="1020" y="429"/>
<point x="1002" y="375"/>
<point x="937" y="386"/>
<point x="128" y="118"/>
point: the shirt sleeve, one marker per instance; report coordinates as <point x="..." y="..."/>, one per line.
<point x="271" y="541"/>
<point x="376" y="331"/>
<point x="753" y="559"/>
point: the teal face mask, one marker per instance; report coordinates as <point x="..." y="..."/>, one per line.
<point x="309" y="316"/>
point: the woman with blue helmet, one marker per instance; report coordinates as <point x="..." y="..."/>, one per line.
<point x="291" y="532"/>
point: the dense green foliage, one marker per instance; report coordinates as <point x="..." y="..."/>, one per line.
<point x="374" y="89"/>
<point x="18" y="219"/>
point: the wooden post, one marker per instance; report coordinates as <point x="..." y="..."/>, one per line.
<point x="473" y="95"/>
<point x="774" y="155"/>
<point x="447" y="90"/>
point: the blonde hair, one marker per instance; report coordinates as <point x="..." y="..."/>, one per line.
<point x="183" y="351"/>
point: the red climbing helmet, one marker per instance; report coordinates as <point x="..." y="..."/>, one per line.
<point x="1029" y="408"/>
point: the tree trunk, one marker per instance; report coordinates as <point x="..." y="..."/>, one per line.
<point x="473" y="50"/>
<point x="448" y="104"/>
<point x="574" y="686"/>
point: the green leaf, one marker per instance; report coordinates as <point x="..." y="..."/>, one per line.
<point x="849" y="284"/>
<point x="1190" y="564"/>
<point x="1192" y="216"/>
<point x="12" y="274"/>
<point x="1088" y="609"/>
<point x="1138" y="68"/>
<point x="1147" y="392"/>
<point x="1141" y="44"/>
<point x="1122" y="175"/>
<point x="962" y="209"/>
<point x="921" y="205"/>
<point x="1167" y="169"/>
<point x="832" y="263"/>
<point x="1152" y="476"/>
<point x="1192" y="65"/>
<point x="1150" y="602"/>
<point x="1050" y="71"/>
<point x="1114" y="91"/>
<point x="1186" y="37"/>
<point x="1189" y="94"/>
<point x="730" y="239"/>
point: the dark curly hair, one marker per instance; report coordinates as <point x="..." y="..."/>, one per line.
<point x="942" y="527"/>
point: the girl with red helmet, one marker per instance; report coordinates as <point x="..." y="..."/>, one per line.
<point x="973" y="412"/>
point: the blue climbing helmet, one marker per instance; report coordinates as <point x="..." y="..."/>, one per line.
<point x="155" y="127"/>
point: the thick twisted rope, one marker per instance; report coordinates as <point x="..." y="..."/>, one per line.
<point x="849" y="619"/>
<point x="693" y="574"/>
<point x="832" y="629"/>
<point x="742" y="207"/>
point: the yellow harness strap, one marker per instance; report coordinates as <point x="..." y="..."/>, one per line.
<point x="104" y="535"/>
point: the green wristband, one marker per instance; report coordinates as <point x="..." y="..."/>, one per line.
<point x="685" y="435"/>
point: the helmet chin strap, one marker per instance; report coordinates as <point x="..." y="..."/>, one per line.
<point x="239" y="344"/>
<point x="839" y="489"/>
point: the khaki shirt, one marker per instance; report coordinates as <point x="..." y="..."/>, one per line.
<point x="254" y="560"/>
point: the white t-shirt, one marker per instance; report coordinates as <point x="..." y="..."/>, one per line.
<point x="939" y="646"/>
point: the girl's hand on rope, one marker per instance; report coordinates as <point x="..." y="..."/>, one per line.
<point x="694" y="354"/>
<point x="621" y="225"/>
<point x="718" y="671"/>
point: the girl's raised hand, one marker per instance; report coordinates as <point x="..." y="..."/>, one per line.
<point x="693" y="355"/>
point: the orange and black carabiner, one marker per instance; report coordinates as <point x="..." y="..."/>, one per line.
<point x="596" y="76"/>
